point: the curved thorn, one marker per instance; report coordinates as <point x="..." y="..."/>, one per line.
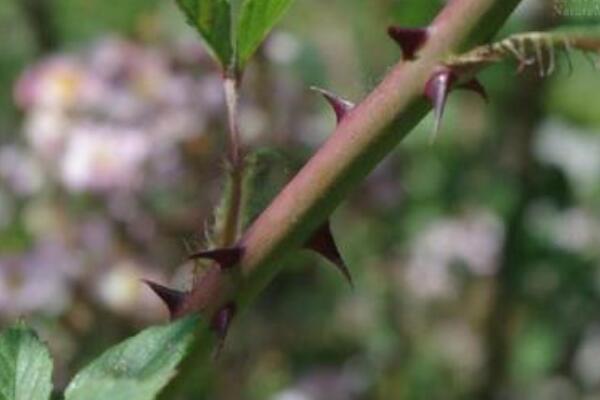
<point x="226" y="257"/>
<point x="437" y="89"/>
<point x="340" y="106"/>
<point x="220" y="324"/>
<point x="474" y="85"/>
<point x="323" y="243"/>
<point x="172" y="298"/>
<point x="409" y="39"/>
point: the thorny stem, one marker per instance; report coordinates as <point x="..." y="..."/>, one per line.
<point x="363" y="138"/>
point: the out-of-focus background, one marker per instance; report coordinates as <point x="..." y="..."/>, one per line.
<point x="476" y="259"/>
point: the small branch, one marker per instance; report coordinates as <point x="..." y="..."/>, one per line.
<point x="232" y="224"/>
<point x="231" y="87"/>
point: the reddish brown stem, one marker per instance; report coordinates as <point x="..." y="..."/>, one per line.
<point x="361" y="140"/>
<point x="368" y="133"/>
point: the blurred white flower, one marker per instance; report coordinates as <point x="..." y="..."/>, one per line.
<point x="283" y="48"/>
<point x="97" y="118"/>
<point x="46" y="132"/>
<point x="587" y="359"/>
<point x="474" y="239"/>
<point x="571" y="148"/>
<point x="575" y="229"/>
<point x="254" y="121"/>
<point x="292" y="394"/>
<point x="99" y="159"/>
<point x="120" y="288"/>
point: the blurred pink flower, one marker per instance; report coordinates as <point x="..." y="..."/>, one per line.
<point x="20" y="171"/>
<point x="97" y="119"/>
<point x="37" y="281"/>
<point x="98" y="159"/>
<point x="54" y="83"/>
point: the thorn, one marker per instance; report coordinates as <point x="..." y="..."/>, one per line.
<point x="474" y="85"/>
<point x="172" y="298"/>
<point x="340" y="106"/>
<point x="323" y="243"/>
<point x="226" y="257"/>
<point x="409" y="39"/>
<point x="437" y="89"/>
<point x="220" y="325"/>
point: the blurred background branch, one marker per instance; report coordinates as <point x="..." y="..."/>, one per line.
<point x="39" y="15"/>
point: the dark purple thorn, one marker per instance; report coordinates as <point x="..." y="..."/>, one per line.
<point x="172" y="298"/>
<point x="322" y="242"/>
<point x="220" y="325"/>
<point x="474" y="85"/>
<point x="226" y="258"/>
<point x="409" y="39"/>
<point x="437" y="89"/>
<point x="340" y="106"/>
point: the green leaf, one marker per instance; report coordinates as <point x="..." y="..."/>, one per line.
<point x="212" y="19"/>
<point x="138" y="368"/>
<point x="25" y="366"/>
<point x="257" y="18"/>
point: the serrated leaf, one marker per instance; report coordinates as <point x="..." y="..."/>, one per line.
<point x="212" y="19"/>
<point x="256" y="19"/>
<point x="138" y="368"/>
<point x="25" y="366"/>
